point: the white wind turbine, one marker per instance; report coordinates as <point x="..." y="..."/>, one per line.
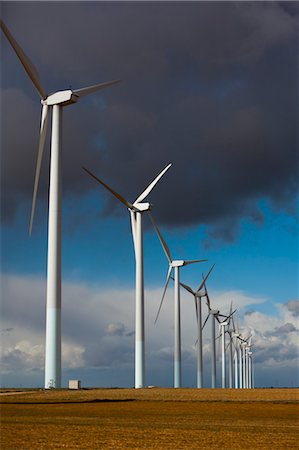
<point x="230" y="331"/>
<point x="174" y="265"/>
<point x="215" y="314"/>
<point x="136" y="210"/>
<point x="241" y="364"/>
<point x="236" y="358"/>
<point x="248" y="363"/>
<point x="243" y="347"/>
<point x="251" y="370"/>
<point x="51" y="103"/>
<point x="222" y="331"/>
<point x="239" y="356"/>
<point x="243" y="361"/>
<point x="198" y="295"/>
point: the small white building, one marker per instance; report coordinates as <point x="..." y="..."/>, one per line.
<point x="74" y="384"/>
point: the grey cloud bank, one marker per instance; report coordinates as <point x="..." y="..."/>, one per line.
<point x="98" y="349"/>
<point x="210" y="86"/>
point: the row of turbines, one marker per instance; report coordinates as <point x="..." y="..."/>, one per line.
<point x="240" y="354"/>
<point x="240" y="367"/>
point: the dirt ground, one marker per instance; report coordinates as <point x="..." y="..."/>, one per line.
<point x="150" y="419"/>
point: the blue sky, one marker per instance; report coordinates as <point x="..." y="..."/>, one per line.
<point x="221" y="106"/>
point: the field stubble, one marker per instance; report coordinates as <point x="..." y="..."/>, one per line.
<point x="150" y="419"/>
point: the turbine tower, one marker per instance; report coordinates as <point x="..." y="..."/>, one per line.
<point x="51" y="103"/>
<point x="174" y="265"/>
<point x="198" y="295"/>
<point x="136" y="210"/>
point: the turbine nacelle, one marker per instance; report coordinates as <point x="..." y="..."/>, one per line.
<point x="201" y="293"/>
<point x="177" y="263"/>
<point x="62" y="98"/>
<point x="214" y="311"/>
<point x="141" y="207"/>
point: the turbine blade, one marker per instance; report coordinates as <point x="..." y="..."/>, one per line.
<point x="133" y="226"/>
<point x="196" y="309"/>
<point x="234" y="327"/>
<point x="42" y="137"/>
<point x="205" y="279"/>
<point x="25" y="61"/>
<point x="208" y="300"/>
<point x="161" y="239"/>
<point x="164" y="292"/>
<point x="187" y="288"/>
<point x="219" y="336"/>
<point x="151" y="186"/>
<point x="118" y="196"/>
<point x="231" y="314"/>
<point x="234" y="345"/>
<point x="205" y="321"/>
<point x="207" y="295"/>
<point x="238" y="329"/>
<point x="192" y="261"/>
<point x="95" y="87"/>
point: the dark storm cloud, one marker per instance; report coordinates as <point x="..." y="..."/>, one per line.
<point x="211" y="87"/>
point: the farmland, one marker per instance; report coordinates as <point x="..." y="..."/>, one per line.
<point x="150" y="419"/>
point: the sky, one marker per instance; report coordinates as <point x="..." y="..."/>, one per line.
<point x="211" y="87"/>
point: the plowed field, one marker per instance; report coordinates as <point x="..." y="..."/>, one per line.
<point x="151" y="419"/>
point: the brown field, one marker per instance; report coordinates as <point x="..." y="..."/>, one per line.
<point x="150" y="419"/>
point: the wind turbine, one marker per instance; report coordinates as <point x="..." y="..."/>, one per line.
<point x="215" y="314"/>
<point x="222" y="333"/>
<point x="251" y="371"/>
<point x="222" y="330"/>
<point x="244" y="362"/>
<point x="230" y="331"/>
<point x="198" y="295"/>
<point x="248" y="362"/>
<point x="136" y="210"/>
<point x="51" y="103"/>
<point x="236" y="345"/>
<point x="241" y="364"/>
<point x="174" y="265"/>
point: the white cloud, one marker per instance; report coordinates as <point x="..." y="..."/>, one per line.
<point x="239" y="299"/>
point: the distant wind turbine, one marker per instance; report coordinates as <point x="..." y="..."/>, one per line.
<point x="251" y="370"/>
<point x="215" y="314"/>
<point x="174" y="265"/>
<point x="248" y="363"/>
<point x="198" y="295"/>
<point x="236" y="359"/>
<point x="222" y="330"/>
<point x="51" y="103"/>
<point x="243" y="362"/>
<point x="136" y="210"/>
<point x="230" y="331"/>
